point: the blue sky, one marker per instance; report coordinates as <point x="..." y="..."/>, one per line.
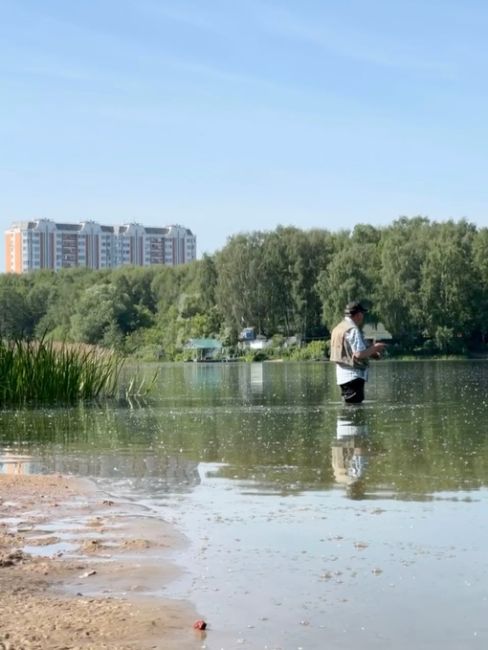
<point x="230" y="116"/>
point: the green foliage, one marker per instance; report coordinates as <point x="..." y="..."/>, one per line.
<point x="313" y="351"/>
<point x="448" y="287"/>
<point x="268" y="281"/>
<point x="257" y="356"/>
<point x="352" y="274"/>
<point x="241" y="291"/>
<point x="403" y="250"/>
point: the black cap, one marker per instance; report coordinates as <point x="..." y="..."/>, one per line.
<point x="354" y="307"/>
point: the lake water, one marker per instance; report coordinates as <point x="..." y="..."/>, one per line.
<point x="310" y="525"/>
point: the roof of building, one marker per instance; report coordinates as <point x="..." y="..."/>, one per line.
<point x="176" y="226"/>
<point x="203" y="344"/>
<point x="73" y="227"/>
<point x="156" y="231"/>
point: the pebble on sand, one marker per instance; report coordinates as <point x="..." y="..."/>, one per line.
<point x="200" y="625"/>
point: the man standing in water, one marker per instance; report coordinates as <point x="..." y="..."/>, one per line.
<point x="351" y="354"/>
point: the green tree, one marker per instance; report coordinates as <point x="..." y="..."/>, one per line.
<point x="480" y="270"/>
<point x="207" y="282"/>
<point x="14" y="313"/>
<point x="447" y="291"/>
<point x="240" y="293"/>
<point x="95" y="318"/>
<point x="403" y="249"/>
<point x="352" y="274"/>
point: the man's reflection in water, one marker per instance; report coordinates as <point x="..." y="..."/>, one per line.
<point x="350" y="451"/>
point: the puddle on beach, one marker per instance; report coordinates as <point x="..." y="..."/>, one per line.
<point x="308" y="525"/>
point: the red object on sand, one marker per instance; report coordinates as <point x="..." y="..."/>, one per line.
<point x="199" y="625"/>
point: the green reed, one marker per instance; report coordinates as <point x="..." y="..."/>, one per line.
<point x="43" y="372"/>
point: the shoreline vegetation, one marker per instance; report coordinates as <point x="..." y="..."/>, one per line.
<point x="45" y="372"/>
<point x="91" y="596"/>
<point x="425" y="281"/>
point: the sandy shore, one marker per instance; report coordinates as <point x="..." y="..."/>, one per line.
<point x="80" y="571"/>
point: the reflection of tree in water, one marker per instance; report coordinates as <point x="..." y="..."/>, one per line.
<point x="349" y="452"/>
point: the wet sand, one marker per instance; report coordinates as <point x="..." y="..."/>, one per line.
<point x="78" y="570"/>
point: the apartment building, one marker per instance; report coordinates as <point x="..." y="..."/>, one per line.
<point x="45" y="244"/>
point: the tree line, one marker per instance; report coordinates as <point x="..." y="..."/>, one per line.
<point x="426" y="281"/>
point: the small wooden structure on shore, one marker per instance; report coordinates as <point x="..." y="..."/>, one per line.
<point x="204" y="349"/>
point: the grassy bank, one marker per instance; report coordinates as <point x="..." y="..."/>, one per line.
<point x="44" y="372"/>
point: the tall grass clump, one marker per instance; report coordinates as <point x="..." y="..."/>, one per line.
<point x="44" y="372"/>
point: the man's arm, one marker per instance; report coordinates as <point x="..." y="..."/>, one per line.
<point x="371" y="351"/>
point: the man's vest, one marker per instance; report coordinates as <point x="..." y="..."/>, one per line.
<point x="340" y="348"/>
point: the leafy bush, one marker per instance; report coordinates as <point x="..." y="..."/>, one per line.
<point x="313" y="351"/>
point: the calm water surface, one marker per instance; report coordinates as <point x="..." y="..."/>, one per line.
<point x="310" y="525"/>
